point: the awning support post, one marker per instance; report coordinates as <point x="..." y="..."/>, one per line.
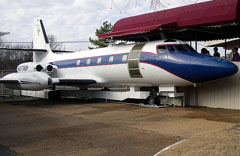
<point x="225" y="46"/>
<point x="196" y="94"/>
<point x="162" y="35"/>
<point x="196" y="45"/>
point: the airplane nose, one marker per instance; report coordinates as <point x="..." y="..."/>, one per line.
<point x="210" y="68"/>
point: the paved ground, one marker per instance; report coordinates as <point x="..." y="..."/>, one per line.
<point x="70" y="127"/>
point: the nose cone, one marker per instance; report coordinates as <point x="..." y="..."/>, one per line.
<point x="210" y="68"/>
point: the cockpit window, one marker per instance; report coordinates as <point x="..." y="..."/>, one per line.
<point x="170" y="48"/>
<point x="162" y="49"/>
<point x="181" y="48"/>
<point x="175" y="47"/>
<point x="190" y="48"/>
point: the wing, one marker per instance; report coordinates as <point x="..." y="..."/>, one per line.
<point x="11" y="83"/>
<point x="73" y="82"/>
<point x="55" y="81"/>
<point x="8" y="81"/>
<point x="36" y="84"/>
<point x="18" y="49"/>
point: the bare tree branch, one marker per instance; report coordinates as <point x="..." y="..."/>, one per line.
<point x="54" y="44"/>
<point x="9" y="60"/>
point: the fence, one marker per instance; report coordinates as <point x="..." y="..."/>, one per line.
<point x="3" y="89"/>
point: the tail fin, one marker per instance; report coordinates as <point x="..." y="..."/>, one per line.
<point x="40" y="41"/>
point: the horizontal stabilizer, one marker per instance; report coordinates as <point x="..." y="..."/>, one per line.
<point x="62" y="51"/>
<point x="75" y="82"/>
<point x="38" y="50"/>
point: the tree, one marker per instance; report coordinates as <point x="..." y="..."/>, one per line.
<point x="100" y="43"/>
<point x="9" y="60"/>
<point x="54" y="44"/>
<point x="154" y="4"/>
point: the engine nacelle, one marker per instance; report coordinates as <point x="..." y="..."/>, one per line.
<point x="29" y="81"/>
<point x="33" y="66"/>
<point x="30" y="67"/>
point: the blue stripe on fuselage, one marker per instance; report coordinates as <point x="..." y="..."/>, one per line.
<point x="83" y="61"/>
<point x="191" y="66"/>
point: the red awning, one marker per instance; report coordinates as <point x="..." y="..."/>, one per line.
<point x="139" y="30"/>
<point x="212" y="13"/>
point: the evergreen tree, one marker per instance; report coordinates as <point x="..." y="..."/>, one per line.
<point x="100" y="43"/>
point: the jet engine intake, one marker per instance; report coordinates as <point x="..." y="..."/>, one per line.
<point x="50" y="68"/>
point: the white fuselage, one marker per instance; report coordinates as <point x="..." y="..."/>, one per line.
<point x="114" y="74"/>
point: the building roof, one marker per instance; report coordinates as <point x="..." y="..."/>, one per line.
<point x="217" y="19"/>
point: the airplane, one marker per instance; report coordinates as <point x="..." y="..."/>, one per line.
<point x="166" y="62"/>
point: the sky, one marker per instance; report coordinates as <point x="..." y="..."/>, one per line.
<point x="71" y="20"/>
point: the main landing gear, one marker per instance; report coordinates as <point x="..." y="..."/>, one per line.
<point x="154" y="97"/>
<point x="54" y="95"/>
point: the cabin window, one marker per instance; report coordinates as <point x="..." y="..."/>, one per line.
<point x="88" y="61"/>
<point x="170" y="48"/>
<point x="111" y="58"/>
<point x="180" y="48"/>
<point x="124" y="58"/>
<point x="162" y="49"/>
<point x="99" y="60"/>
<point x="78" y="62"/>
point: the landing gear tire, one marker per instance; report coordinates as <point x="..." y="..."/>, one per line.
<point x="151" y="100"/>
